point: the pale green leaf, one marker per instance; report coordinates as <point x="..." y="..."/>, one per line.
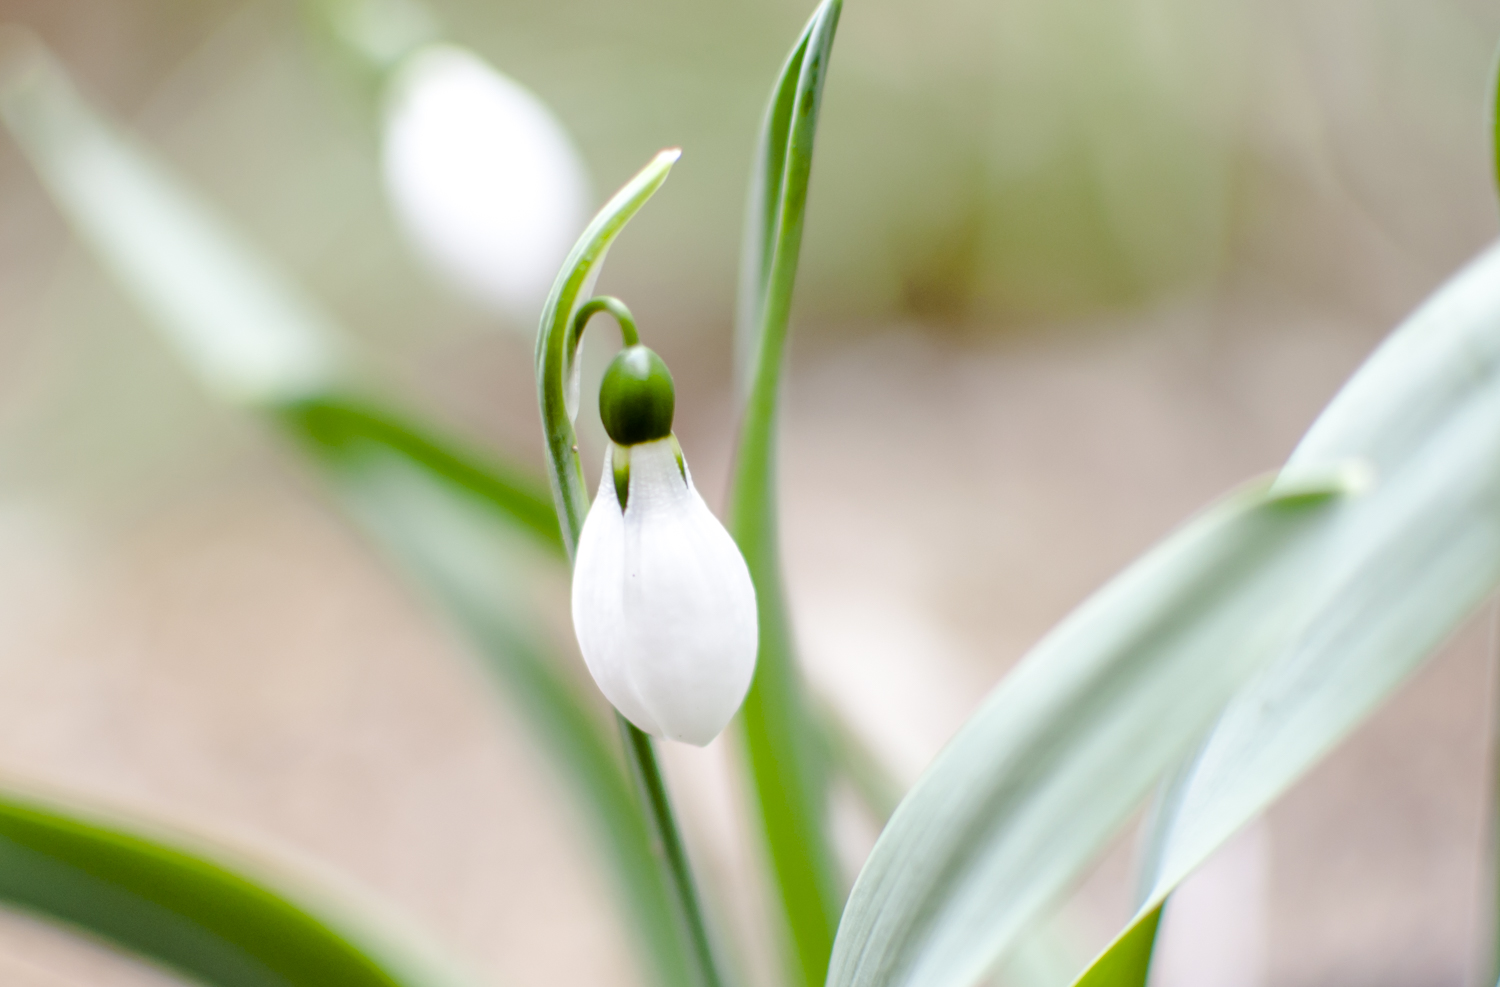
<point x="1405" y="565"/>
<point x="1069" y="743"/>
<point x="246" y="331"/>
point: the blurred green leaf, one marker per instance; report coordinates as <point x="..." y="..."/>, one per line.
<point x="1406" y="564"/>
<point x="1494" y="112"/>
<point x="253" y="338"/>
<point x="249" y="334"/>
<point x="781" y="743"/>
<point x="338" y="425"/>
<point x="1067" y="745"/>
<point x="228" y="924"/>
<point x="1128" y="959"/>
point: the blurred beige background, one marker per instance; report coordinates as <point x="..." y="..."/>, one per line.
<point x="1072" y="269"/>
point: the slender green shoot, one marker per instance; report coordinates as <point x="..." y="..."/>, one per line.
<point x="788" y="775"/>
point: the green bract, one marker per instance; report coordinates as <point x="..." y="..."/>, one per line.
<point x="636" y="398"/>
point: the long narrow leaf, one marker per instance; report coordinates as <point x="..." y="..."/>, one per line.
<point x="248" y="333"/>
<point x="790" y="790"/>
<point x="252" y="338"/>
<point x="222" y="922"/>
<point x="334" y="422"/>
<point x="1065" y="748"/>
<point x="1408" y="564"/>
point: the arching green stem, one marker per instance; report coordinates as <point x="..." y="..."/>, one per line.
<point x="592" y="307"/>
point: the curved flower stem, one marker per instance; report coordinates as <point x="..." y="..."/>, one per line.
<point x="604" y="303"/>
<point x="563" y="323"/>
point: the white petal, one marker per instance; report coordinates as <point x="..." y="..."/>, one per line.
<point x="662" y="602"/>
<point x="483" y="177"/>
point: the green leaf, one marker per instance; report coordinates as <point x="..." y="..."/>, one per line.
<point x="781" y="743"/>
<point x="337" y="425"/>
<point x="1494" y="112"/>
<point x="226" y="923"/>
<point x="1405" y="566"/>
<point x="252" y="338"/>
<point x="1065" y="748"/>
<point x="248" y="333"/>
<point x="1128" y="959"/>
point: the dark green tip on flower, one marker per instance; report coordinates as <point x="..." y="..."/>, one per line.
<point x="636" y="399"/>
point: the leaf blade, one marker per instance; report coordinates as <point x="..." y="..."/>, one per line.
<point x="780" y="741"/>
<point x="331" y="422"/>
<point x="202" y="914"/>
<point x="249" y="334"/>
<point x="1418" y="554"/>
<point x="1066" y="746"/>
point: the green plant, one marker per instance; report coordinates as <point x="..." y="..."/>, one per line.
<point x="1217" y="669"/>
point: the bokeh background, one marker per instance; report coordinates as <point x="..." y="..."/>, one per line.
<point x="1072" y="268"/>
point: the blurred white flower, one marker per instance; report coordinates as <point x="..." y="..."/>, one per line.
<point x="662" y="601"/>
<point x="483" y="177"/>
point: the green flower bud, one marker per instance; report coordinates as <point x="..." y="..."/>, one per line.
<point x="636" y="399"/>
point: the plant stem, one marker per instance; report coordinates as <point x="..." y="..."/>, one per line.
<point x="667" y="843"/>
<point x="556" y="347"/>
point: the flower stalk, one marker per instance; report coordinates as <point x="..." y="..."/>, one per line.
<point x="567" y="313"/>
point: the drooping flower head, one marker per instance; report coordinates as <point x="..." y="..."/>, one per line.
<point x="663" y="604"/>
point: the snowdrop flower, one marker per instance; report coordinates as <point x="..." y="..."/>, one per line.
<point x="483" y="178"/>
<point x="662" y="601"/>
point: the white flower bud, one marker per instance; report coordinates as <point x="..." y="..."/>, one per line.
<point x="483" y="177"/>
<point x="662" y="601"/>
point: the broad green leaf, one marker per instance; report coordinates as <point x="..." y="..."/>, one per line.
<point x="252" y="338"/>
<point x="224" y="922"/>
<point x="1404" y="566"/>
<point x="1066" y="747"/>
<point x="789" y="784"/>
<point x="557" y="392"/>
